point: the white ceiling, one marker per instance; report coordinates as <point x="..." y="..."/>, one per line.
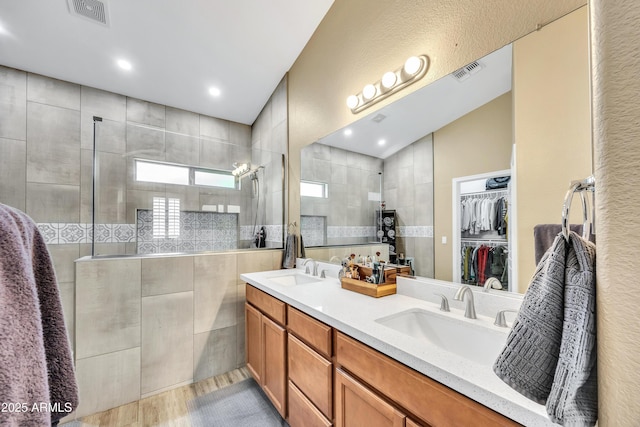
<point x="178" y="49"/>
<point x="426" y="110"/>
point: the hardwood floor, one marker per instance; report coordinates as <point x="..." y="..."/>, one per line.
<point x="168" y="409"/>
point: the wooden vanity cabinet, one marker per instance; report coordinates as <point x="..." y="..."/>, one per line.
<point x="266" y="345"/>
<point x="427" y="400"/>
<point x="310" y="370"/>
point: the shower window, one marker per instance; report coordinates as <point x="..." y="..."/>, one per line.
<point x="314" y="189"/>
<point x="211" y="178"/>
<point x="161" y="173"/>
<point x="168" y="173"/>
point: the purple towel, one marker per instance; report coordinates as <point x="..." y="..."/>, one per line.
<point x="36" y="367"/>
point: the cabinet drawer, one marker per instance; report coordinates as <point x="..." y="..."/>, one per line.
<point x="429" y="400"/>
<point x="313" y="332"/>
<point x="302" y="413"/>
<point x="312" y="374"/>
<point x="269" y="305"/>
<point x="356" y="405"/>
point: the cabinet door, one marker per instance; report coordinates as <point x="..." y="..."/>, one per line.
<point x="312" y="374"/>
<point x="253" y="342"/>
<point x="357" y="406"/>
<point x="274" y="356"/>
<point x="303" y="413"/>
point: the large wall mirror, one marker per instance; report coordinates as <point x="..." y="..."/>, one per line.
<point x="522" y="110"/>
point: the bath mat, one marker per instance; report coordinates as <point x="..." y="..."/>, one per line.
<point x="242" y="404"/>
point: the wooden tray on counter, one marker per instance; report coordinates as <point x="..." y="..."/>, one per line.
<point x="367" y="288"/>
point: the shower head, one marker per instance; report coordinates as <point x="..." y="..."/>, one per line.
<point x="243" y="169"/>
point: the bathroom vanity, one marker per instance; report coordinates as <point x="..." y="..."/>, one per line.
<point x="328" y="356"/>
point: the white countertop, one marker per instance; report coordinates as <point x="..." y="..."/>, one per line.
<point x="355" y="314"/>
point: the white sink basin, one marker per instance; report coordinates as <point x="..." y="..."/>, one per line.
<point x="473" y="342"/>
<point x="294" y="279"/>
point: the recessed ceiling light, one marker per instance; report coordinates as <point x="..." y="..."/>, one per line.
<point x="124" y="64"/>
<point x="214" y="91"/>
<point x="348" y="132"/>
<point x="382" y="142"/>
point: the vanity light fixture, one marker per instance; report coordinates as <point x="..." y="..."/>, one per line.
<point x="413" y="69"/>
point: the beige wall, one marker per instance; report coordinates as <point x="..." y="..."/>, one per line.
<point x="552" y="128"/>
<point x="359" y="40"/>
<point x="476" y="143"/>
<point x="616" y="108"/>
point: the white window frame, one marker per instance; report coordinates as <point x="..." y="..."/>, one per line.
<point x="232" y="183"/>
<point x="322" y="186"/>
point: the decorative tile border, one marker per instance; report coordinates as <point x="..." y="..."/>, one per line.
<point x="414" y="231"/>
<point x="191" y="238"/>
<point x="66" y="233"/>
<point x="350" y="231"/>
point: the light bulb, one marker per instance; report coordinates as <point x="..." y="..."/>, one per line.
<point x="125" y="65"/>
<point x="214" y="91"/>
<point x="382" y="141"/>
<point x="412" y="65"/>
<point x="348" y="132"/>
<point x="352" y="101"/>
<point x="389" y="79"/>
<point x="369" y="91"/>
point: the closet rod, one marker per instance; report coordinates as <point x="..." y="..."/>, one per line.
<point x="487" y="192"/>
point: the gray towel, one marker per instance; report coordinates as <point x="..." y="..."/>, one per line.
<point x="545" y="234"/>
<point x="550" y="354"/>
<point x="290" y="252"/>
<point x="35" y="359"/>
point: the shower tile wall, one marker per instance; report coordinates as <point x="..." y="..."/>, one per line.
<point x="46" y="131"/>
<point x="349" y="212"/>
<point x="408" y="188"/>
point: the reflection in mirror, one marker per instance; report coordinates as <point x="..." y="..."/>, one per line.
<point x="523" y="109"/>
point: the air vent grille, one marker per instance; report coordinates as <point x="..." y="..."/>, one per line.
<point x="467" y="71"/>
<point x="94" y="10"/>
<point x="379" y="117"/>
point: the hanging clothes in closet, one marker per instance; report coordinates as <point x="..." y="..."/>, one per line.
<point x="484" y="213"/>
<point x="481" y="261"/>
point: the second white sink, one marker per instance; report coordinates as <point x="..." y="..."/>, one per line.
<point x="293" y="279"/>
<point x="471" y="341"/>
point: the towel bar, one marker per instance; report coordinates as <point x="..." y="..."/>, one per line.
<point x="587" y="184"/>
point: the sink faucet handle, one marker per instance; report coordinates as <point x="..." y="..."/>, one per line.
<point x="306" y="270"/>
<point x="500" y="319"/>
<point x="323" y="275"/>
<point x="444" y="302"/>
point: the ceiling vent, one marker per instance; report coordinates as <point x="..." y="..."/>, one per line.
<point x="379" y="117"/>
<point x="93" y="10"/>
<point x="467" y="71"/>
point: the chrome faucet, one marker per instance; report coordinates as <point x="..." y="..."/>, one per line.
<point x="335" y="258"/>
<point x="444" y="302"/>
<point x="469" y="308"/>
<point x="500" y="320"/>
<point x="315" y="266"/>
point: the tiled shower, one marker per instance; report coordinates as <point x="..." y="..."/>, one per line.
<point x="115" y="307"/>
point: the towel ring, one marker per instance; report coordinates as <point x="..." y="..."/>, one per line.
<point x="581" y="187"/>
